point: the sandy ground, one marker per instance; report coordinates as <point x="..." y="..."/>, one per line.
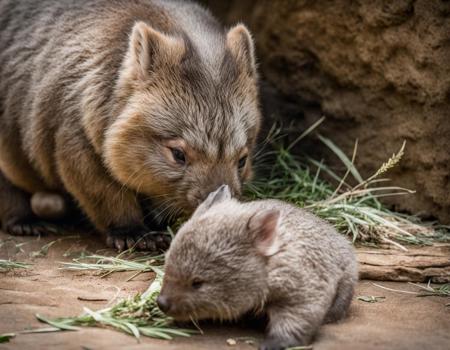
<point x="400" y="321"/>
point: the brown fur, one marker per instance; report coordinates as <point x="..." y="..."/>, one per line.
<point x="268" y="257"/>
<point x="93" y="93"/>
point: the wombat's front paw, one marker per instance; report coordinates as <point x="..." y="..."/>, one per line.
<point x="137" y="238"/>
<point x="28" y="227"/>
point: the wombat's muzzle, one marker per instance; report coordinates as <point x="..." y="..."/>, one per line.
<point x="163" y="303"/>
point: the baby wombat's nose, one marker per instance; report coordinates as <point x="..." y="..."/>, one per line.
<point x="163" y="303"/>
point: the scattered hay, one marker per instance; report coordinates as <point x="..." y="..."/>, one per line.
<point x="110" y="264"/>
<point x="138" y="315"/>
<point x="441" y="291"/>
<point x="370" y="298"/>
<point x="45" y="248"/>
<point x="354" y="210"/>
<point x="7" y="265"/>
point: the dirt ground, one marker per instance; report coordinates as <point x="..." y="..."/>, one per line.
<point x="400" y="321"/>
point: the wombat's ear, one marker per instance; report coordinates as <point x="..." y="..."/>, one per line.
<point x="221" y="194"/>
<point x="150" y="49"/>
<point x="263" y="228"/>
<point x="240" y="43"/>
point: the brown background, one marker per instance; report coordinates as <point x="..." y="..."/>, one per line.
<point x="380" y="72"/>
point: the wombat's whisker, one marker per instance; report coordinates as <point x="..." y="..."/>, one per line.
<point x="167" y="210"/>
<point x="195" y="323"/>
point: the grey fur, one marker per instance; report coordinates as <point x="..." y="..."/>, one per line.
<point x="92" y="93"/>
<point x="301" y="276"/>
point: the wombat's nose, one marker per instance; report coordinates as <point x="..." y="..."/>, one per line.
<point x="163" y="303"/>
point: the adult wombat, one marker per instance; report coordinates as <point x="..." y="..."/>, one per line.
<point x="112" y="101"/>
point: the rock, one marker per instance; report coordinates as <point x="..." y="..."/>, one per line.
<point x="380" y="72"/>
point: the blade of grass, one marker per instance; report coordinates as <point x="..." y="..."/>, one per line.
<point x="306" y="132"/>
<point x="347" y="172"/>
<point x="57" y="324"/>
<point x="345" y="160"/>
<point x="6" y="265"/>
<point x="4" y="338"/>
<point x="355" y="211"/>
<point x="138" y="315"/>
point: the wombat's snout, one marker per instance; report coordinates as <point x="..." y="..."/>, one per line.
<point x="163" y="303"/>
<point x="197" y="196"/>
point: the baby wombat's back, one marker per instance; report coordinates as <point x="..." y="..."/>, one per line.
<point x="309" y="245"/>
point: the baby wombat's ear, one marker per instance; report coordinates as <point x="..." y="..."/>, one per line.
<point x="221" y="194"/>
<point x="150" y="50"/>
<point x="240" y="43"/>
<point x="263" y="228"/>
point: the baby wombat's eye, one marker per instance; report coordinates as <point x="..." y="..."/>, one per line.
<point x="197" y="283"/>
<point x="178" y="156"/>
<point x="242" y="162"/>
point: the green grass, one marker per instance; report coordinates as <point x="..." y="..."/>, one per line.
<point x="43" y="251"/>
<point x="442" y="290"/>
<point x="4" y="338"/>
<point x="138" y="316"/>
<point x="354" y="210"/>
<point x="7" y="265"/>
<point x="110" y="264"/>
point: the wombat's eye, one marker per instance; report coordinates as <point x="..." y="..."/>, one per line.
<point x="178" y="156"/>
<point x="242" y="162"/>
<point x="197" y="283"/>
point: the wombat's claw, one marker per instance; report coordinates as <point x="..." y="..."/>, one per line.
<point x="141" y="240"/>
<point x="29" y="227"/>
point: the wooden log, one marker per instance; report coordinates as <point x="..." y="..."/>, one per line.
<point x="417" y="264"/>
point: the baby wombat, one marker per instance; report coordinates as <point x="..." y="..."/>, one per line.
<point x="267" y="257"/>
<point x="116" y="103"/>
